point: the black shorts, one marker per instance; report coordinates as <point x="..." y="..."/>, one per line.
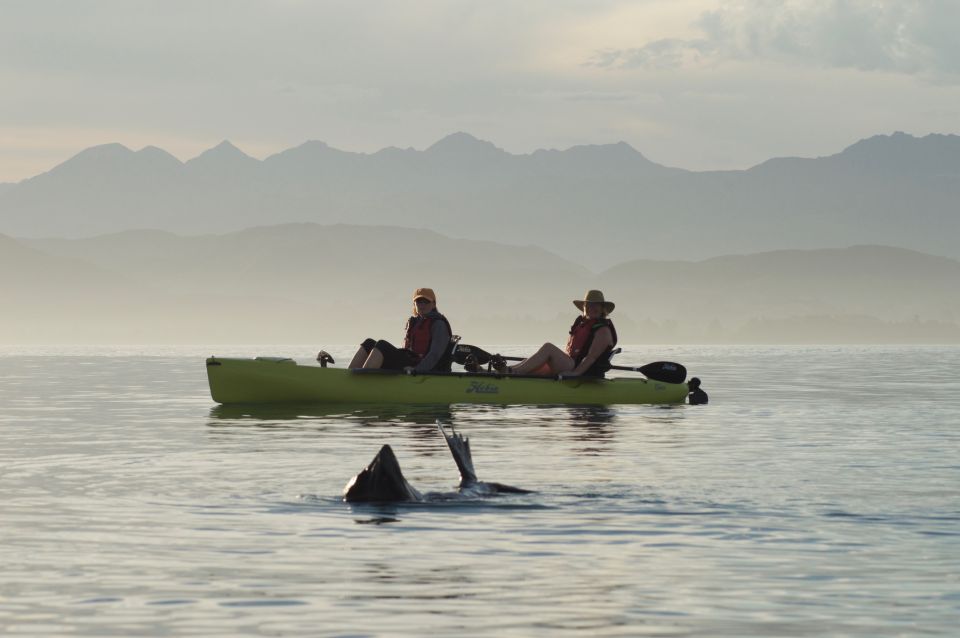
<point x="394" y="358"/>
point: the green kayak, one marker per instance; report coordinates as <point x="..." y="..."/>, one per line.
<point x="277" y="380"/>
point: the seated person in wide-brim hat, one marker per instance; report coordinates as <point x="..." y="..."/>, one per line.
<point x="426" y="341"/>
<point x="592" y="338"/>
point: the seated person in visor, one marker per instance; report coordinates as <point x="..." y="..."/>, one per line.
<point x="426" y="341"/>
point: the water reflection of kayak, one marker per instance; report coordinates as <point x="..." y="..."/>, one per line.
<point x="277" y="380"/>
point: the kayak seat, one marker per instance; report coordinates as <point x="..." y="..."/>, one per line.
<point x="599" y="368"/>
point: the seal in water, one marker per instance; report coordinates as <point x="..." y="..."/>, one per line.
<point x="383" y="482"/>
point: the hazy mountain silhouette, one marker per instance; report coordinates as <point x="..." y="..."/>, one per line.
<point x="27" y="271"/>
<point x="602" y="204"/>
<point x="49" y="298"/>
<point x="461" y="145"/>
<point x="890" y="284"/>
<point x="224" y="161"/>
<point x="338" y="284"/>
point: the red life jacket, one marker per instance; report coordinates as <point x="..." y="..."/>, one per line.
<point x="582" y="333"/>
<point x="418" y="333"/>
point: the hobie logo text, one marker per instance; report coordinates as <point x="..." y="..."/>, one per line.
<point x="479" y="387"/>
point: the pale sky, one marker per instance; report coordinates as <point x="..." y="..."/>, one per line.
<point x="699" y="84"/>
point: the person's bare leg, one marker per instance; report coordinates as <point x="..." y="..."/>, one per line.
<point x="358" y="359"/>
<point x="374" y="360"/>
<point x="562" y="363"/>
<point x="534" y="361"/>
<point x="549" y="355"/>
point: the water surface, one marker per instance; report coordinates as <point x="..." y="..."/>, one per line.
<point x="817" y="494"/>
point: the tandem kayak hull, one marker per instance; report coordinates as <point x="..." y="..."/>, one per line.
<point x="272" y="380"/>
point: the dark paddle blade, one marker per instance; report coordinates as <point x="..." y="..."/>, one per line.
<point x="463" y="352"/>
<point x="665" y="371"/>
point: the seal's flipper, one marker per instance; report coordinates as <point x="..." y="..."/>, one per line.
<point x="460" y="448"/>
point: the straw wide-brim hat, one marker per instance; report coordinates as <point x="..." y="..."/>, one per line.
<point x="594" y="296"/>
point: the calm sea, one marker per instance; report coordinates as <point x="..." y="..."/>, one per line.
<point x="818" y="494"/>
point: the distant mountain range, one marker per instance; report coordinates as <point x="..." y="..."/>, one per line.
<point x="597" y="205"/>
<point x="307" y="283"/>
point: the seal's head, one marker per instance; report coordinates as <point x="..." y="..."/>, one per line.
<point x="381" y="481"/>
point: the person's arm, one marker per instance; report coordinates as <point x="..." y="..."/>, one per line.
<point x="439" y="341"/>
<point x="601" y="341"/>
